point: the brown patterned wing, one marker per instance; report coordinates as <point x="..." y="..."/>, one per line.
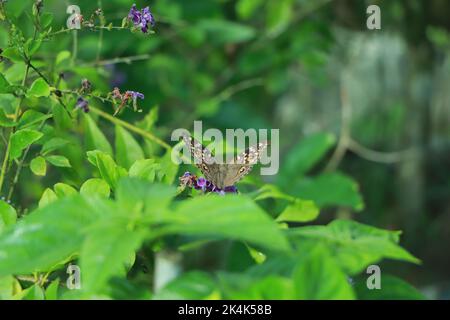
<point x="242" y="164"/>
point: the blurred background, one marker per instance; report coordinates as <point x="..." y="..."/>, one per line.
<point x="380" y="97"/>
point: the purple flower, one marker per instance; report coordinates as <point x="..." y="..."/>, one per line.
<point x="134" y="15"/>
<point x="201" y="184"/>
<point x="148" y="16"/>
<point x="134" y="95"/>
<point x="82" y="104"/>
<point x="142" y="18"/>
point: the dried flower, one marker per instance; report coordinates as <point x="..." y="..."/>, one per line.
<point x="86" y="85"/>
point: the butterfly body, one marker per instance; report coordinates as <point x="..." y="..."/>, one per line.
<point x="223" y="175"/>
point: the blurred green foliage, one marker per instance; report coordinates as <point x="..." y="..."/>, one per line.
<point x="99" y="190"/>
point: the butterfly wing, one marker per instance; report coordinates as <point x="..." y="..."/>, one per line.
<point x="242" y="164"/>
<point x="203" y="159"/>
<point x="223" y="175"/>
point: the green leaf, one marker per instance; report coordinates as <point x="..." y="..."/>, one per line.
<point x="35" y="292"/>
<point x="330" y="189"/>
<point x="61" y="57"/>
<point x="299" y="211"/>
<point x="12" y="54"/>
<point x="58" y="161"/>
<point x="38" y="166"/>
<point x="235" y="217"/>
<point x="4" y="84"/>
<point x="355" y="245"/>
<point x="278" y="16"/>
<point x="222" y="32"/>
<point x="22" y="139"/>
<point x="53" y="144"/>
<point x="31" y="46"/>
<point x="48" y="196"/>
<point x="392" y="288"/>
<point x="243" y="286"/>
<point x="108" y="169"/>
<point x="51" y="293"/>
<point x="104" y="253"/>
<point x="95" y="138"/>
<point x="271" y="191"/>
<point x="246" y="8"/>
<point x="193" y="285"/>
<point x="145" y="169"/>
<point x="48" y="235"/>
<point x="32" y="118"/>
<point x="64" y="190"/>
<point x="4" y="120"/>
<point x="46" y="19"/>
<point x="169" y="169"/>
<point x="95" y="186"/>
<point x="306" y="154"/>
<point x="9" y="287"/>
<point x="8" y="215"/>
<point x="138" y="194"/>
<point x="39" y="88"/>
<point x="319" y="277"/>
<point x="61" y="117"/>
<point x="127" y="149"/>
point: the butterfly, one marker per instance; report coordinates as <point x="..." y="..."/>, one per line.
<point x="223" y="174"/>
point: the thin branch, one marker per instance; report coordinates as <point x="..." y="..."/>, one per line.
<point x="347" y="143"/>
<point x="131" y="127"/>
<point x="382" y="157"/>
<point x="127" y="60"/>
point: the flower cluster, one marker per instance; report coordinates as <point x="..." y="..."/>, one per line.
<point x="191" y="181"/>
<point x="141" y="18"/>
<point x="124" y="99"/>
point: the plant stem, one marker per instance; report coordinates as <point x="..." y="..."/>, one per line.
<point x="131" y="127"/>
<point x="8" y="145"/>
<point x="74" y="47"/>
<point x="100" y="37"/>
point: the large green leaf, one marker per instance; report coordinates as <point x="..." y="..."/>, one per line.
<point x="138" y="194"/>
<point x="8" y="215"/>
<point x="299" y="211"/>
<point x="271" y="287"/>
<point x="128" y="149"/>
<point x="330" y="189"/>
<point x="48" y="235"/>
<point x="22" y="139"/>
<point x="230" y="216"/>
<point x="305" y="155"/>
<point x="355" y="245"/>
<point x="145" y="169"/>
<point x="188" y="286"/>
<point x="319" y="277"/>
<point x="105" y="252"/>
<point x="392" y="288"/>
<point x="39" y="88"/>
<point x="108" y="169"/>
<point x="95" y="139"/>
<point x="95" y="186"/>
